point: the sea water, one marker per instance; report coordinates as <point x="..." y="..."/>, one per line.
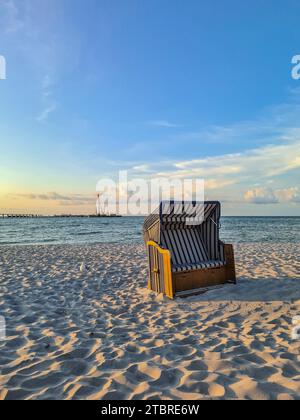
<point x="76" y="230"/>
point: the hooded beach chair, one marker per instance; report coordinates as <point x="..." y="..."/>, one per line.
<point x="184" y="249"/>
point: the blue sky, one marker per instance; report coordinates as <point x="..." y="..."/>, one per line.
<point x="170" y="87"/>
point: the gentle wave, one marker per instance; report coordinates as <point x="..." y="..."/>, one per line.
<point x="129" y="230"/>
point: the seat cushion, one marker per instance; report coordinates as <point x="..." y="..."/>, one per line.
<point x="178" y="268"/>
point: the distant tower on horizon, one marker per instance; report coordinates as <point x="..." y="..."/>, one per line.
<point x="98" y="206"/>
<point x="101" y="209"/>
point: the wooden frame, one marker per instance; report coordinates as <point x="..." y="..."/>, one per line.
<point x="156" y="270"/>
<point x="162" y="280"/>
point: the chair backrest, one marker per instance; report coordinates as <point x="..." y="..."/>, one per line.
<point x="210" y="233"/>
<point x="186" y="245"/>
<point x="170" y="226"/>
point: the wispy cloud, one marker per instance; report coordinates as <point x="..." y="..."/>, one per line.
<point x="48" y="100"/>
<point x="47" y="85"/>
<point x="38" y="35"/>
<point x="246" y="175"/>
<point x="230" y="174"/>
<point x="11" y="16"/>
<point x="44" y="115"/>
<point x="263" y="162"/>
<point x="142" y="169"/>
<point x="60" y="199"/>
<point x="254" y="165"/>
<point x="264" y="195"/>
<point x="163" y="124"/>
<point x="261" y="196"/>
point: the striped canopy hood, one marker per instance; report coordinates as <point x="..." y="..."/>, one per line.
<point x="180" y="215"/>
<point x="190" y="231"/>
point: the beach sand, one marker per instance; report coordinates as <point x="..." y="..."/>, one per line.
<point x="103" y="335"/>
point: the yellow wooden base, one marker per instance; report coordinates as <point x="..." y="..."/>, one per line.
<point x="191" y="280"/>
<point x="156" y="271"/>
<point x="196" y="279"/>
<point x="199" y="278"/>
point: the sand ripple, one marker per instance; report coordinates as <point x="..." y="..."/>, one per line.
<point x="68" y="337"/>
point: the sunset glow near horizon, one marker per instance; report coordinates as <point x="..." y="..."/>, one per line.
<point x="160" y="89"/>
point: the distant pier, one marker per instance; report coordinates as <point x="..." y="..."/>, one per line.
<point x="19" y="216"/>
<point x="38" y="216"/>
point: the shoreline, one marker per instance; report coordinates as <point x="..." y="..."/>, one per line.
<point x="139" y="243"/>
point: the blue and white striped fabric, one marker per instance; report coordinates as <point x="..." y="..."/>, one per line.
<point x="197" y="266"/>
<point x="185" y="245"/>
<point x="192" y="245"/>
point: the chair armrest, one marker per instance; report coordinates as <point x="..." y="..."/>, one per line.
<point x="160" y="269"/>
<point x="158" y="247"/>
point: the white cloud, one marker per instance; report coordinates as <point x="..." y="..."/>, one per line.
<point x="276" y="134"/>
<point x="47" y="85"/>
<point x="214" y="184"/>
<point x="142" y="168"/>
<point x="291" y="195"/>
<point x="50" y="106"/>
<point x="265" y="162"/>
<point x="163" y="124"/>
<point x="37" y="32"/>
<point x="255" y="170"/>
<point x="263" y="195"/>
<point x="61" y="199"/>
<point x="44" y="115"/>
<point x="11" y="16"/>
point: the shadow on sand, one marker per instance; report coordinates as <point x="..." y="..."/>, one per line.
<point x="254" y="290"/>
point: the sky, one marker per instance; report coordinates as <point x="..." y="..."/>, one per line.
<point x="160" y="88"/>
